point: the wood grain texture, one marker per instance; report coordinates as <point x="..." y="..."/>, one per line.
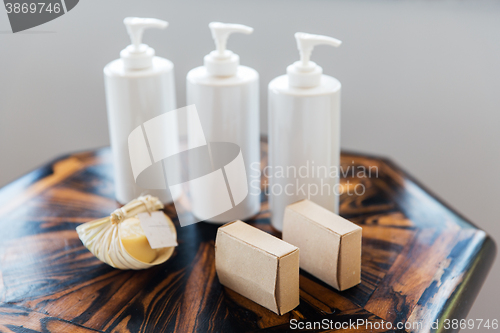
<point x="421" y="260"/>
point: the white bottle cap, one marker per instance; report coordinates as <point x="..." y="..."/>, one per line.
<point x="222" y="62"/>
<point x="305" y="73"/>
<point x="138" y="55"/>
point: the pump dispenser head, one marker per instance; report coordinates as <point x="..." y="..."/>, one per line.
<point x="138" y="55"/>
<point x="305" y="73"/>
<point x="223" y="62"/>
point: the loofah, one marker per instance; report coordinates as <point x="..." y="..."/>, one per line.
<point x="102" y="236"/>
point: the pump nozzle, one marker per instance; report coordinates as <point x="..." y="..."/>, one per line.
<point x="307" y="42"/>
<point x="138" y="55"/>
<point x="221" y="32"/>
<point x="136" y="26"/>
<point x="305" y="73"/>
<point x="223" y="62"/>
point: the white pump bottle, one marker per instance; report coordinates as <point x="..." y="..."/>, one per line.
<point x="226" y="96"/>
<point x="139" y="87"/>
<point x="304" y="133"/>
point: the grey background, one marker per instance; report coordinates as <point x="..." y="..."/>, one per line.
<point x="420" y="83"/>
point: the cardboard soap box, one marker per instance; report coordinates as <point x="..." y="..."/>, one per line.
<point x="258" y="266"/>
<point x="330" y="246"/>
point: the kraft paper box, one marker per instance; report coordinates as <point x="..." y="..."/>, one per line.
<point x="258" y="266"/>
<point x="330" y="246"/>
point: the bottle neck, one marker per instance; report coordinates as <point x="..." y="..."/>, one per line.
<point x="225" y="64"/>
<point x="300" y="76"/>
<point x="137" y="57"/>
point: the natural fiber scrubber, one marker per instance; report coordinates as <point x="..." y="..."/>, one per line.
<point x="119" y="240"/>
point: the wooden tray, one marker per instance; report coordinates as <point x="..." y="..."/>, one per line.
<point x="421" y="261"/>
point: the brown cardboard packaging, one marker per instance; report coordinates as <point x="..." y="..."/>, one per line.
<point x="330" y="246"/>
<point x="258" y="266"/>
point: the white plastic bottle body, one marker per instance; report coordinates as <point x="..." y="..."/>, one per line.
<point x="304" y="145"/>
<point x="134" y="97"/>
<point x="228" y="108"/>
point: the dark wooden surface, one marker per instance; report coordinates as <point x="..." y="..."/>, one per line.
<point x="421" y="261"/>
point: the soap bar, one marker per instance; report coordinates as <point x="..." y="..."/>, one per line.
<point x="258" y="266"/>
<point x="330" y="246"/>
<point x="134" y="240"/>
